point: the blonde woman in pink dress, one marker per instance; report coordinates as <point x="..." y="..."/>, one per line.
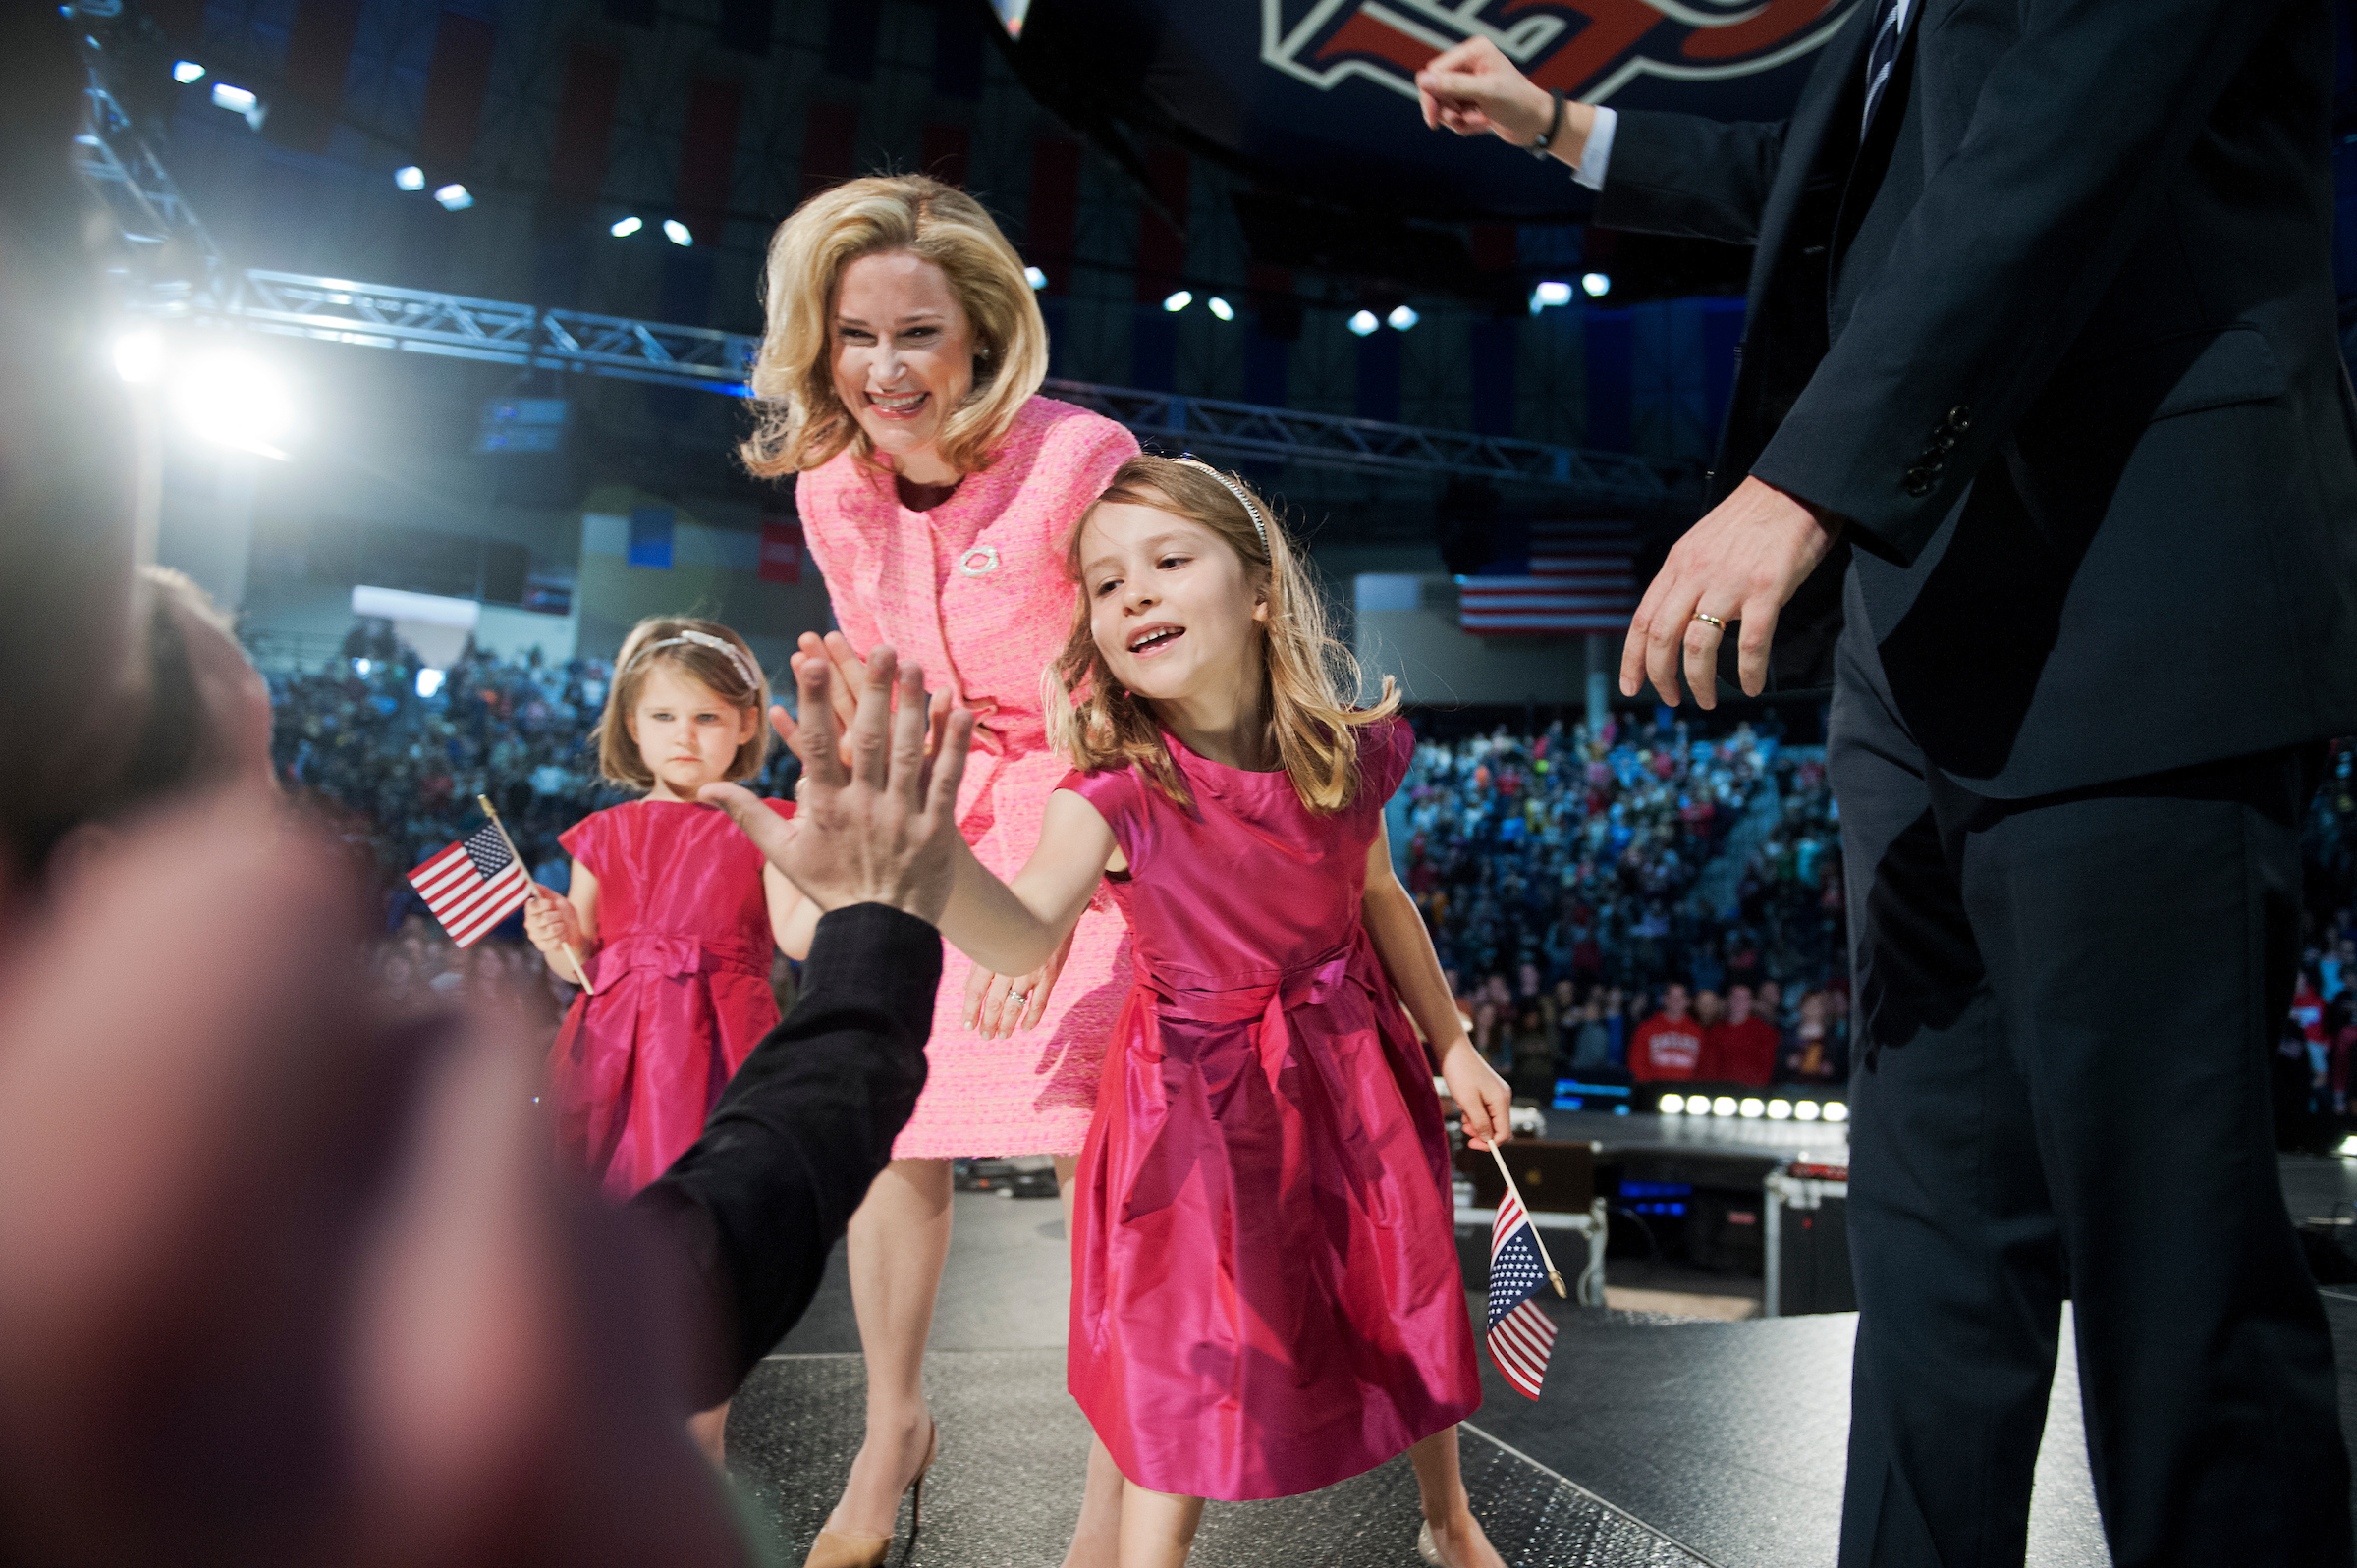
<point x="897" y="376"/>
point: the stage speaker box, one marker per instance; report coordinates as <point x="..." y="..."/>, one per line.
<point x="1808" y="1243"/>
<point x="1554" y="1177"/>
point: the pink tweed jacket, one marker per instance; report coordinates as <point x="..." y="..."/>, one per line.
<point x="974" y="591"/>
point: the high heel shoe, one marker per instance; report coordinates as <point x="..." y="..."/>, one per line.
<point x="848" y="1549"/>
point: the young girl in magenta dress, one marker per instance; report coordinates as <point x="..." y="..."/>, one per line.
<point x="672" y="913"/>
<point x="1266" y="1297"/>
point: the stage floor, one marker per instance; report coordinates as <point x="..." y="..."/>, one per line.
<point x="1660" y="1441"/>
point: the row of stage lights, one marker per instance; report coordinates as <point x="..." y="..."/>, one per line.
<point x="1752" y="1110"/>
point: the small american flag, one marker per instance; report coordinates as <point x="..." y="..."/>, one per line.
<point x="472" y="886"/>
<point x="1521" y="1335"/>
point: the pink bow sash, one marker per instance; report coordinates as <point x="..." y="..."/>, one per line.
<point x="662" y="953"/>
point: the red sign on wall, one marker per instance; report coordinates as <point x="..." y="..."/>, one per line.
<point x="780" y="550"/>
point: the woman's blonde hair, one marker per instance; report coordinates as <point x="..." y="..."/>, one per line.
<point x="802" y="422"/>
<point x="1308" y="678"/>
<point x="730" y="671"/>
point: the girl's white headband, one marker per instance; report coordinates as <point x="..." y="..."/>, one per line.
<point x="705" y="640"/>
<point x="1234" y="489"/>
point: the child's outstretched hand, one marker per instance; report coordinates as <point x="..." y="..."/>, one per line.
<point x="1484" y="1103"/>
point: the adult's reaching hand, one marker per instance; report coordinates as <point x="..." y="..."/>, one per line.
<point x="1739" y="565"/>
<point x="882" y="828"/>
<point x="1475" y="90"/>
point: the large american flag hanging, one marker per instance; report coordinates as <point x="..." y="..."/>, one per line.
<point x="472" y="886"/>
<point x="1521" y="1335"/>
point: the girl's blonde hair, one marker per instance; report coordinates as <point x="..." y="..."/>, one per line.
<point x="674" y="640"/>
<point x="1307" y="681"/>
<point x="802" y="422"/>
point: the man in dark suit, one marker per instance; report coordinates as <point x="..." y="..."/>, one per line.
<point x="2040" y="400"/>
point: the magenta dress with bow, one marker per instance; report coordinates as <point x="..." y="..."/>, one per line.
<point x="1266" y="1297"/>
<point x="682" y="970"/>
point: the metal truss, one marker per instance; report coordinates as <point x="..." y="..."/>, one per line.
<point x="420" y="321"/>
<point x="149" y="212"/>
<point x="1365" y="446"/>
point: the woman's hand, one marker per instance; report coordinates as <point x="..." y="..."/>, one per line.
<point x="551" y="922"/>
<point x="998" y="1005"/>
<point x="1484" y="1103"/>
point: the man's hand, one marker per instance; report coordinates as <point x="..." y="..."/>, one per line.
<point x="1475" y="89"/>
<point x="1741" y="564"/>
<point x="882" y="830"/>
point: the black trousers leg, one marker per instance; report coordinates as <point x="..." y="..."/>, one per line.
<point x="2064" y="1009"/>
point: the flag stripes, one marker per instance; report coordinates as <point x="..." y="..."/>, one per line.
<point x="472" y="886"/>
<point x="1521" y="1335"/>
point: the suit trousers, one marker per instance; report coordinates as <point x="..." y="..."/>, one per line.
<point x="2065" y="1008"/>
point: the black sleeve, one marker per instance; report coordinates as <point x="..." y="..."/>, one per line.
<point x="801" y="1130"/>
<point x="2080" y="131"/>
<point x="1684" y="175"/>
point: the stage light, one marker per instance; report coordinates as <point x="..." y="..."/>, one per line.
<point x="1552" y="291"/>
<point x="1363" y="323"/>
<point x="2348" y="1145"/>
<point x="1221" y="308"/>
<point x="139" y="354"/>
<point x="234" y="399"/>
<point x="454" y="198"/>
<point x="1779" y="1111"/>
<point x="624" y="228"/>
<point x="410" y="177"/>
<point x="1037" y="278"/>
<point x="1178" y="300"/>
<point x="1806" y="1111"/>
<point x="677" y="231"/>
<point x="429" y="682"/>
<point x="1751" y="1110"/>
<point x="1724" y="1106"/>
<point x="361" y="667"/>
<point x="1674" y="1105"/>
<point x="236" y="101"/>
<point x="1597" y="285"/>
<point x="186" y="70"/>
<point x="1401" y="318"/>
<point x="1836" y="1111"/>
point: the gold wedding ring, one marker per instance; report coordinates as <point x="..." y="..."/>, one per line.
<point x="1713" y="619"/>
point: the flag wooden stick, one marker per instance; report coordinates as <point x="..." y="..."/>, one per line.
<point x="580" y="973"/>
<point x="1556" y="1278"/>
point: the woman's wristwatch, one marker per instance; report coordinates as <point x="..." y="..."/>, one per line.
<point x="1554" y="126"/>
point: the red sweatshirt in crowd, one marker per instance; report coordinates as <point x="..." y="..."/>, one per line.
<point x="1665" y="1048"/>
<point x="1740" y="1052"/>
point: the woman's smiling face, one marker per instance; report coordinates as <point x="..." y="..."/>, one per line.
<point x="903" y="356"/>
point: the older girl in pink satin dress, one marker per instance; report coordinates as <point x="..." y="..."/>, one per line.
<point x="937" y="493"/>
<point x="1265" y="1289"/>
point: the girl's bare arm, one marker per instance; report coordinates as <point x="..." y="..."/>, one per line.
<point x="1013" y="930"/>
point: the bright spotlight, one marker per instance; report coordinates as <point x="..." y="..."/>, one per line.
<point x="1836" y="1111"/>
<point x="2348" y="1145"/>
<point x="236" y="400"/>
<point x="1037" y="278"/>
<point x="454" y="198"/>
<point x="624" y="228"/>
<point x="236" y="101"/>
<point x="1724" y="1106"/>
<point x="1221" y="308"/>
<point x="140" y="355"/>
<point x="1401" y="318"/>
<point x="1674" y="1105"/>
<point x="186" y="70"/>
<point x="1597" y="285"/>
<point x="361" y="667"/>
<point x="1806" y="1111"/>
<point x="1365" y="322"/>
<point x="429" y="682"/>
<point x="1779" y="1111"/>
<point x="1178" y="300"/>
<point x="1554" y="291"/>
<point x="677" y="231"/>
<point x="1751" y="1110"/>
<point x="410" y="177"/>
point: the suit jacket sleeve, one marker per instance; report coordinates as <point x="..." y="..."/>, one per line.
<point x="1684" y="175"/>
<point x="2080" y="129"/>
<point x="761" y="1197"/>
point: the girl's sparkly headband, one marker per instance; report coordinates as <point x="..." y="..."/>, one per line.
<point x="1234" y="489"/>
<point x="705" y="640"/>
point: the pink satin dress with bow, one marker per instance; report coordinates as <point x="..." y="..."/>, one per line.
<point x="974" y="591"/>
<point x="1266" y="1297"/>
<point x="682" y="970"/>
